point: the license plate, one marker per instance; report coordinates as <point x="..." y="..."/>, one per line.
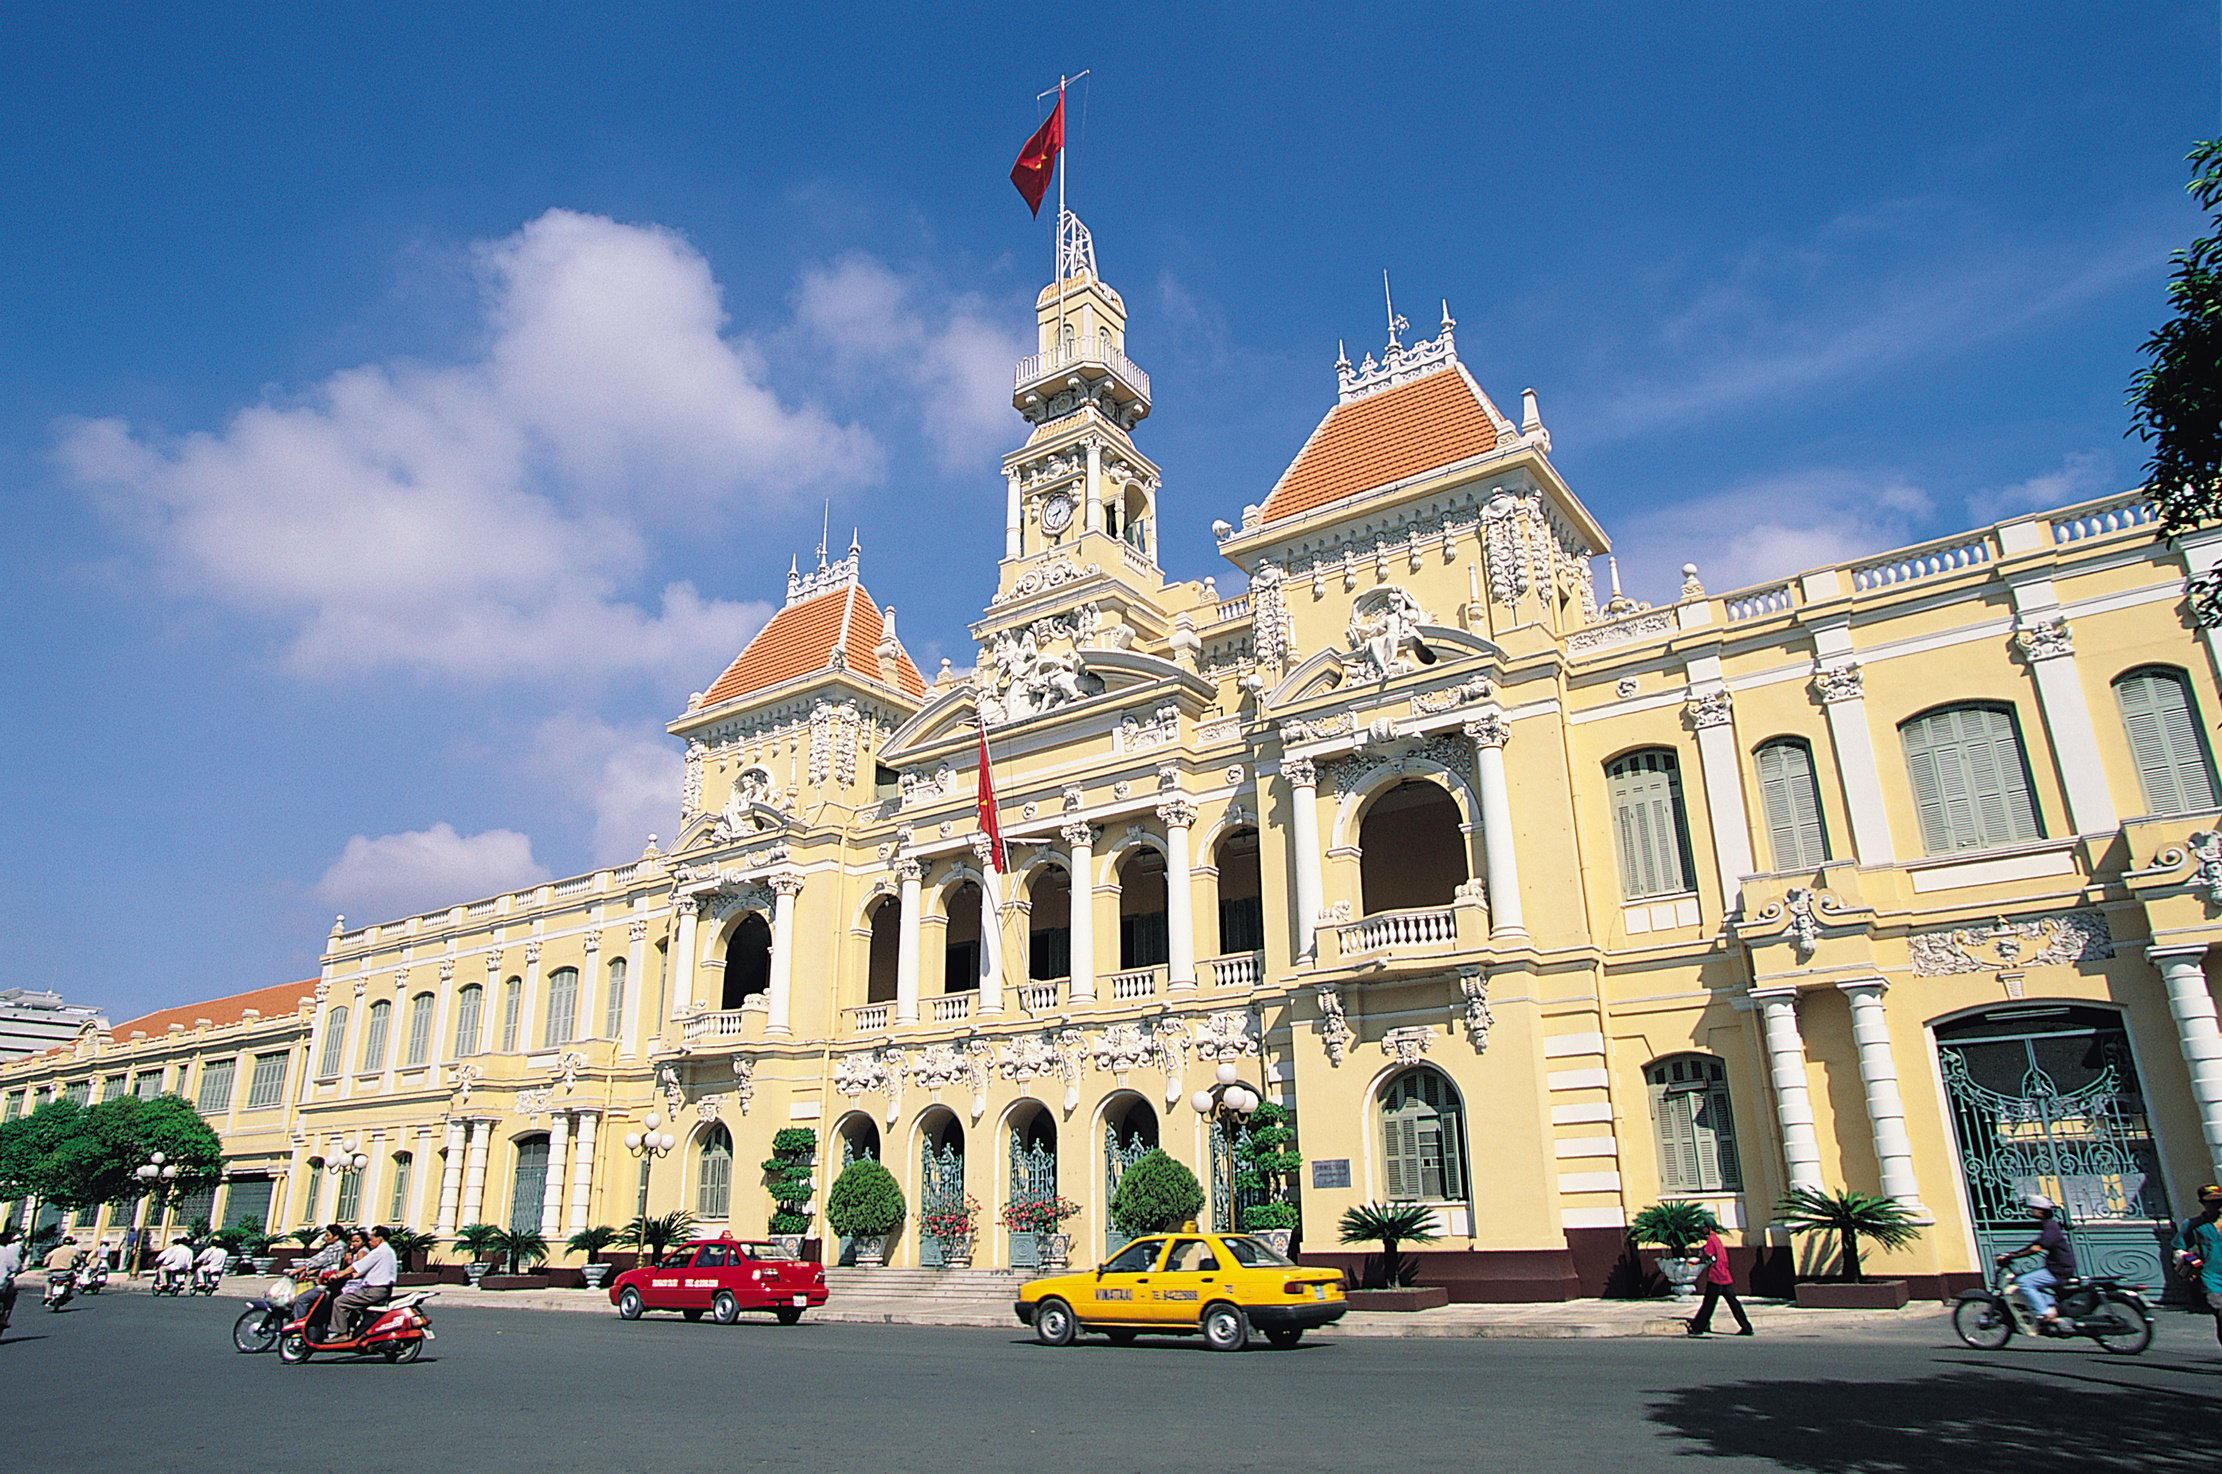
<point x="802" y="1300"/>
<point x="430" y="1337"/>
<point x="1319" y="1292"/>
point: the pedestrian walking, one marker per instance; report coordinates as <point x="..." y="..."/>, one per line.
<point x="11" y="1265"/>
<point x="2199" y="1251"/>
<point x="1720" y="1285"/>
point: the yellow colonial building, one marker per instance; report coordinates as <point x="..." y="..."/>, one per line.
<point x="1532" y="902"/>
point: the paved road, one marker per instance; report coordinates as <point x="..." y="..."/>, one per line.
<point x="129" y="1383"/>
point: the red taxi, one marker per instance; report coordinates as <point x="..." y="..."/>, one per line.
<point x="721" y="1278"/>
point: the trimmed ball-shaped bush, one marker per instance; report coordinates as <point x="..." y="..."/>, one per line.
<point x="1156" y="1195"/>
<point x="865" y="1200"/>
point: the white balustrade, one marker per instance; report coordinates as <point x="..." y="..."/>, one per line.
<point x="952" y="1008"/>
<point x="573" y="886"/>
<point x="1237" y="607"/>
<point x="1138" y="982"/>
<point x="1758" y="603"/>
<point x="1040" y="365"/>
<point x="1239" y="971"/>
<point x="1038" y="997"/>
<point x="870" y="1019"/>
<point x="1400" y="929"/>
<point x="2116" y="516"/>
<point x="1927" y="561"/>
<point x="724" y="1024"/>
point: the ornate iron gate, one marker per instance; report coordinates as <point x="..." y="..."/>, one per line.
<point x="1116" y="1159"/>
<point x="1228" y="1200"/>
<point x="1033" y="1178"/>
<point x="940" y="1188"/>
<point x="2048" y="1101"/>
<point x="528" y="1190"/>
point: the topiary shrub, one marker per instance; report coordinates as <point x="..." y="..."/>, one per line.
<point x="1156" y="1195"/>
<point x="787" y="1176"/>
<point x="866" y="1201"/>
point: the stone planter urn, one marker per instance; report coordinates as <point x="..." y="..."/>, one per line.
<point x="1682" y="1274"/>
<point x="264" y="1264"/>
<point x="1056" y="1250"/>
<point x="596" y="1275"/>
<point x="956" y="1253"/>
<point x="871" y="1249"/>
<point x="475" y="1272"/>
<point x="1277" y="1238"/>
<point x="790" y="1244"/>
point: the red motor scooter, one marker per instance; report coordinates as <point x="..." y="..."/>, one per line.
<point x="396" y="1330"/>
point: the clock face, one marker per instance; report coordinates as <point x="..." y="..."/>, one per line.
<point x="1057" y="512"/>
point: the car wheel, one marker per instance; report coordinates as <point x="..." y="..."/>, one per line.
<point x="788" y="1314"/>
<point x="1226" y="1328"/>
<point x="1983" y="1324"/>
<point x="692" y="1314"/>
<point x="724" y="1309"/>
<point x="1283" y="1337"/>
<point x="1121" y="1336"/>
<point x="250" y="1332"/>
<point x="1054" y="1324"/>
<point x="629" y="1305"/>
<point x="293" y="1350"/>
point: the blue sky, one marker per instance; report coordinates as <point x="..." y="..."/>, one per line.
<point x="400" y="413"/>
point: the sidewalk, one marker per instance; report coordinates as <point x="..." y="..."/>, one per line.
<point x="1562" y="1320"/>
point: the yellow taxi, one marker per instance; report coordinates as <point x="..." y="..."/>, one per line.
<point x="1222" y="1285"/>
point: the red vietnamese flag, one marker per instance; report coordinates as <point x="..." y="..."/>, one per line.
<point x="1038" y="160"/>
<point x="988" y="824"/>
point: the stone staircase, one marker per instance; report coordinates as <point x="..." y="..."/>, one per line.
<point x="996" y="1287"/>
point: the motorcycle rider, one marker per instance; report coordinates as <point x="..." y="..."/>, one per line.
<point x="210" y="1264"/>
<point x="11" y="1265"/>
<point x="61" y="1268"/>
<point x="2199" y="1251"/>
<point x="376" y="1270"/>
<point x="176" y="1260"/>
<point x="2037" y="1287"/>
<point x="330" y="1252"/>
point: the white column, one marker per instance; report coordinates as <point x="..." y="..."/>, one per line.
<point x="1303" y="827"/>
<point x="474" y="1172"/>
<point x="1842" y="690"/>
<point x="451" y="1182"/>
<point x="2046" y="644"/>
<point x="551" y="1193"/>
<point x="1178" y="816"/>
<point x="1080" y="841"/>
<point x="785" y="887"/>
<point x="1711" y="716"/>
<point x="1886" y="1113"/>
<point x="1506" y="919"/>
<point x="582" y="1173"/>
<point x="420" y="1150"/>
<point x="1012" y="516"/>
<point x="636" y="986"/>
<point x="682" y="962"/>
<point x="2183" y="970"/>
<point x="1094" y="521"/>
<point x="991" y="933"/>
<point x="1801" y="1150"/>
<point x="909" y="872"/>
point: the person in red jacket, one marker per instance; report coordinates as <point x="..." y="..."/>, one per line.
<point x="1720" y="1284"/>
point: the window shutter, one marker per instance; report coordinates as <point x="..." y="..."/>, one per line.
<point x="1400" y="1156"/>
<point x="1970" y="783"/>
<point x="1793" y="805"/>
<point x="1670" y="1115"/>
<point x="2164" y="742"/>
<point x="613" y="1021"/>
<point x="1719" y="1126"/>
<point x="335" y="1037"/>
<point x="1647" y="824"/>
<point x="467" y="1006"/>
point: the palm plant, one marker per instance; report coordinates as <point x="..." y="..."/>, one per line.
<point x="1852" y="1216"/>
<point x="520" y="1248"/>
<point x="307" y="1235"/>
<point x="592" y="1241"/>
<point x="1674" y="1226"/>
<point x="406" y="1242"/>
<point x="1389" y="1225"/>
<point x="479" y="1240"/>
<point x="652" y="1236"/>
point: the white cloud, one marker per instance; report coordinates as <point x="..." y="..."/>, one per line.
<point x="953" y="354"/>
<point x="481" y="520"/>
<point x="2081" y="474"/>
<point x="629" y="777"/>
<point x="1768" y="529"/>
<point x="399" y="874"/>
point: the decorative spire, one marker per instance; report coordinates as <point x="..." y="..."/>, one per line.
<point x="1398" y="363"/>
<point x="827" y="577"/>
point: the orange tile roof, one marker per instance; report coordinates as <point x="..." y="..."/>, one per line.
<point x="269" y="1002"/>
<point x="1383" y="438"/>
<point x="800" y="640"/>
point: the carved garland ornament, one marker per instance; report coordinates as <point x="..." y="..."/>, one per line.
<point x="2067" y="936"/>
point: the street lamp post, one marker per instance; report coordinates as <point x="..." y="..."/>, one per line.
<point x="349" y="1161"/>
<point x="160" y="1175"/>
<point x="1226" y="1104"/>
<point x="647" y="1144"/>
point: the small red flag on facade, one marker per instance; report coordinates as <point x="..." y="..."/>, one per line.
<point x="1038" y="160"/>
<point x="988" y="824"/>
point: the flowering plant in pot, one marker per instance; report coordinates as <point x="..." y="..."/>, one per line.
<point x="1045" y="1217"/>
<point x="954" y="1224"/>
<point x="787" y="1177"/>
<point x="865" y="1206"/>
<point x="1677" y="1227"/>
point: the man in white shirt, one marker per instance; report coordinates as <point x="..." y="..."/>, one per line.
<point x="374" y="1271"/>
<point x="212" y="1261"/>
<point x="175" y="1260"/>
<point x="11" y="1265"/>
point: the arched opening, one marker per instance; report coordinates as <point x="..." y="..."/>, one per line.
<point x="1241" y="893"/>
<point x="1144" y="938"/>
<point x="1423" y="1138"/>
<point x="528" y="1187"/>
<point x="713" y="1176"/>
<point x="1693" y="1125"/>
<point x="1049" y="925"/>
<point x="1032" y="1138"/>
<point x="748" y="960"/>
<point x="960" y="952"/>
<point x="940" y="1178"/>
<point x="859" y="1136"/>
<point x="1129" y="1130"/>
<point x="1412" y="853"/>
<point x="1135" y="518"/>
<point x="887" y="928"/>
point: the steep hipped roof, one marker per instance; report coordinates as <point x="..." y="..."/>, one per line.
<point x="801" y="638"/>
<point x="1385" y="437"/>
<point x="268" y="1002"/>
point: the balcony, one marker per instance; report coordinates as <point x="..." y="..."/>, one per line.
<point x="1241" y="970"/>
<point x="870" y="1019"/>
<point x="950" y="1008"/>
<point x="1037" y="367"/>
<point x="1135" y="983"/>
<point x="1413" y="940"/>
<point x="1041" y="997"/>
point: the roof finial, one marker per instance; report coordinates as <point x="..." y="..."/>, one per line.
<point x="825" y="531"/>
<point x="856" y="544"/>
<point x="1396" y="324"/>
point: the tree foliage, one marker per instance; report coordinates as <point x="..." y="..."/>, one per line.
<point x="1390" y="1225"/>
<point x="787" y="1178"/>
<point x="1265" y="1159"/>
<point x="1851" y="1216"/>
<point x="866" y="1201"/>
<point x="1156" y="1194"/>
<point x="654" y="1235"/>
<point x="81" y="1156"/>
<point x="1675" y="1226"/>
<point x="2177" y="396"/>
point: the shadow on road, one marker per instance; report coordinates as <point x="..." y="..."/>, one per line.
<point x="1967" y="1422"/>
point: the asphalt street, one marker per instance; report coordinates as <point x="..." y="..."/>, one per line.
<point x="125" y="1382"/>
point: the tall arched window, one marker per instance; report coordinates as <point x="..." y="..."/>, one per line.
<point x="512" y="999"/>
<point x="330" y="1057"/>
<point x="349" y="1208"/>
<point x="1651" y="833"/>
<point x="713" y="1183"/>
<point x="470" y="1004"/>
<point x="397" y="1205"/>
<point x="563" y="1008"/>
<point x="613" y="1008"/>
<point x="1423" y="1138"/>
<point x="1049" y="925"/>
<point x="1241" y="895"/>
<point x="748" y="960"/>
<point x="1411" y="851"/>
<point x="885" y="952"/>
<point x="374" y="1035"/>
<point x="1791" y="799"/>
<point x="960" y="956"/>
<point x="2165" y="741"/>
<point x="1970" y="780"/>
<point x="419" y="1048"/>
<point x="1145" y="940"/>
<point x="1693" y="1125"/>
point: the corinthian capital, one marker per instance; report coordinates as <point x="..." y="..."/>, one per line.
<point x="1176" y="813"/>
<point x="1490" y="730"/>
<point x="1077" y="834"/>
<point x="786" y="883"/>
<point x="908" y="869"/>
<point x="1300" y="771"/>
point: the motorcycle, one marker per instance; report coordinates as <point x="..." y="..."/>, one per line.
<point x="205" y="1281"/>
<point x="396" y="1330"/>
<point x="168" y="1282"/>
<point x="61" y="1286"/>
<point x="263" y="1321"/>
<point x="93" y="1278"/>
<point x="2100" y="1307"/>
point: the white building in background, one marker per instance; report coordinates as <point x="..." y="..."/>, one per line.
<point x="32" y="1021"/>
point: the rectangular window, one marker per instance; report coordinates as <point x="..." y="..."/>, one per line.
<point x="214" y="1098"/>
<point x="374" y="1036"/>
<point x="335" y="1043"/>
<point x="1650" y="830"/>
<point x="420" y="1029"/>
<point x="1694" y="1127"/>
<point x="1049" y="954"/>
<point x="350" y="1196"/>
<point x="78" y="1091"/>
<point x="14" y="1106"/>
<point x="245" y="1198"/>
<point x="613" y="1016"/>
<point x="1791" y="800"/>
<point x="1241" y="925"/>
<point x="112" y="1086"/>
<point x="1970" y="780"/>
<point x="511" y="1000"/>
<point x="468" y="1006"/>
<point x="316" y="1189"/>
<point x="563" y="1007"/>
<point x="266" y="1087"/>
<point x="147" y="1084"/>
<point x="397" y="1209"/>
